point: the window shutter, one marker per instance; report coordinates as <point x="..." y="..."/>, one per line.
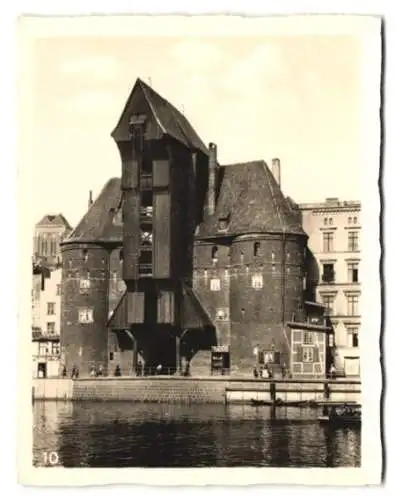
<point x="316" y="355"/>
<point x="161" y="173"/>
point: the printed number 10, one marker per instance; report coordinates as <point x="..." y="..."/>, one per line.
<point x="51" y="458"/>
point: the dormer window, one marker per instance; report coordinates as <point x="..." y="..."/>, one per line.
<point x="223" y="224"/>
<point x="136" y="120"/>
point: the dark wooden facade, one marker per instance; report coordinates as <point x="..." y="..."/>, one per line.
<point x="207" y="255"/>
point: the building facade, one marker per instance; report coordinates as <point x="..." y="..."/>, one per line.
<point x="46" y="303"/>
<point x="334" y="230"/>
<point x="183" y="260"/>
<point x="49" y="233"/>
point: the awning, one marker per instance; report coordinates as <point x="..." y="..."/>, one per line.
<point x="193" y="313"/>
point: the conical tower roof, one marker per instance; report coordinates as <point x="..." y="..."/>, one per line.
<point x="249" y="200"/>
<point x="102" y="222"/>
<point x="169" y="120"/>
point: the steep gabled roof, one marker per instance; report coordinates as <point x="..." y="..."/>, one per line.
<point x="250" y="200"/>
<point x="54" y="220"/>
<point x="168" y="118"/>
<point x="99" y="224"/>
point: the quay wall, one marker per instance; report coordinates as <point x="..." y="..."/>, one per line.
<point x="192" y="390"/>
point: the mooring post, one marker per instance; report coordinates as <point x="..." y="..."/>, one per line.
<point x="178" y="355"/>
<point x="327" y="391"/>
<point x="273" y="392"/>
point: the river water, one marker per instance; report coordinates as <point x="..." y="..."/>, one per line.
<point x="159" y="435"/>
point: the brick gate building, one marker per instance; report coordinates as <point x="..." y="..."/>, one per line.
<point x="183" y="254"/>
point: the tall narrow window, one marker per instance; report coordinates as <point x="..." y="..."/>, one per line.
<point x="328" y="241"/>
<point x="51" y="328"/>
<point x="328" y="301"/>
<point x="353" y="272"/>
<point x="257" y="246"/>
<point x="44" y="249"/>
<point x="352" y="241"/>
<point x="50" y="308"/>
<point x="214" y="254"/>
<point x="352" y="334"/>
<point x="328" y="273"/>
<point x="352" y="305"/>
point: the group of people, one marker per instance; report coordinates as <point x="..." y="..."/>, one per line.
<point x="265" y="371"/>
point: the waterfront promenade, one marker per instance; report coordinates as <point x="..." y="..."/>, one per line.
<point x="174" y="389"/>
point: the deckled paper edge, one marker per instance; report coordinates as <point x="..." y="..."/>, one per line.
<point x="368" y="29"/>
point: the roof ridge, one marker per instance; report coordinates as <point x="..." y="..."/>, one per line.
<point x="274" y="201"/>
<point x="144" y="86"/>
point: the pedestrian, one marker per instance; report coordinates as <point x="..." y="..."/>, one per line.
<point x="284" y="370"/>
<point x="117" y="371"/>
<point x="332" y="371"/>
<point x="64" y="372"/>
<point x="139" y="368"/>
<point x="255" y="372"/>
<point x="158" y="369"/>
<point x="100" y="371"/>
<point x="93" y="372"/>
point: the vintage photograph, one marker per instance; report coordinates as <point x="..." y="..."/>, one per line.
<point x="198" y="248"/>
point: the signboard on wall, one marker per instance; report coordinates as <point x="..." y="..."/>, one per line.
<point x="220" y="360"/>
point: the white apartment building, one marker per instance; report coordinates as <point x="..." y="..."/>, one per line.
<point x="334" y="230"/>
<point x="46" y="305"/>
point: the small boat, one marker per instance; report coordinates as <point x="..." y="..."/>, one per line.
<point x="342" y="417"/>
<point x="259" y="402"/>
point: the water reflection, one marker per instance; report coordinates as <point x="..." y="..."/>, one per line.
<point x="158" y="435"/>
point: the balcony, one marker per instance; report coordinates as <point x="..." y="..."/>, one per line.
<point x="328" y="278"/>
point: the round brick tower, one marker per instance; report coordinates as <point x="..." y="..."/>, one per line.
<point x="266" y="262"/>
<point x="266" y="292"/>
<point x="86" y="256"/>
<point x="84" y="307"/>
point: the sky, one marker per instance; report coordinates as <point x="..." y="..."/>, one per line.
<point x="297" y="98"/>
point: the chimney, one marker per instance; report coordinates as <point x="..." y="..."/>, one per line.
<point x="212" y="173"/>
<point x="90" y="201"/>
<point x="276" y="170"/>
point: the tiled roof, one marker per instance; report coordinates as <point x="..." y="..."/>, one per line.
<point x="54" y="220"/>
<point x="168" y="118"/>
<point x="98" y="225"/>
<point x="250" y="200"/>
